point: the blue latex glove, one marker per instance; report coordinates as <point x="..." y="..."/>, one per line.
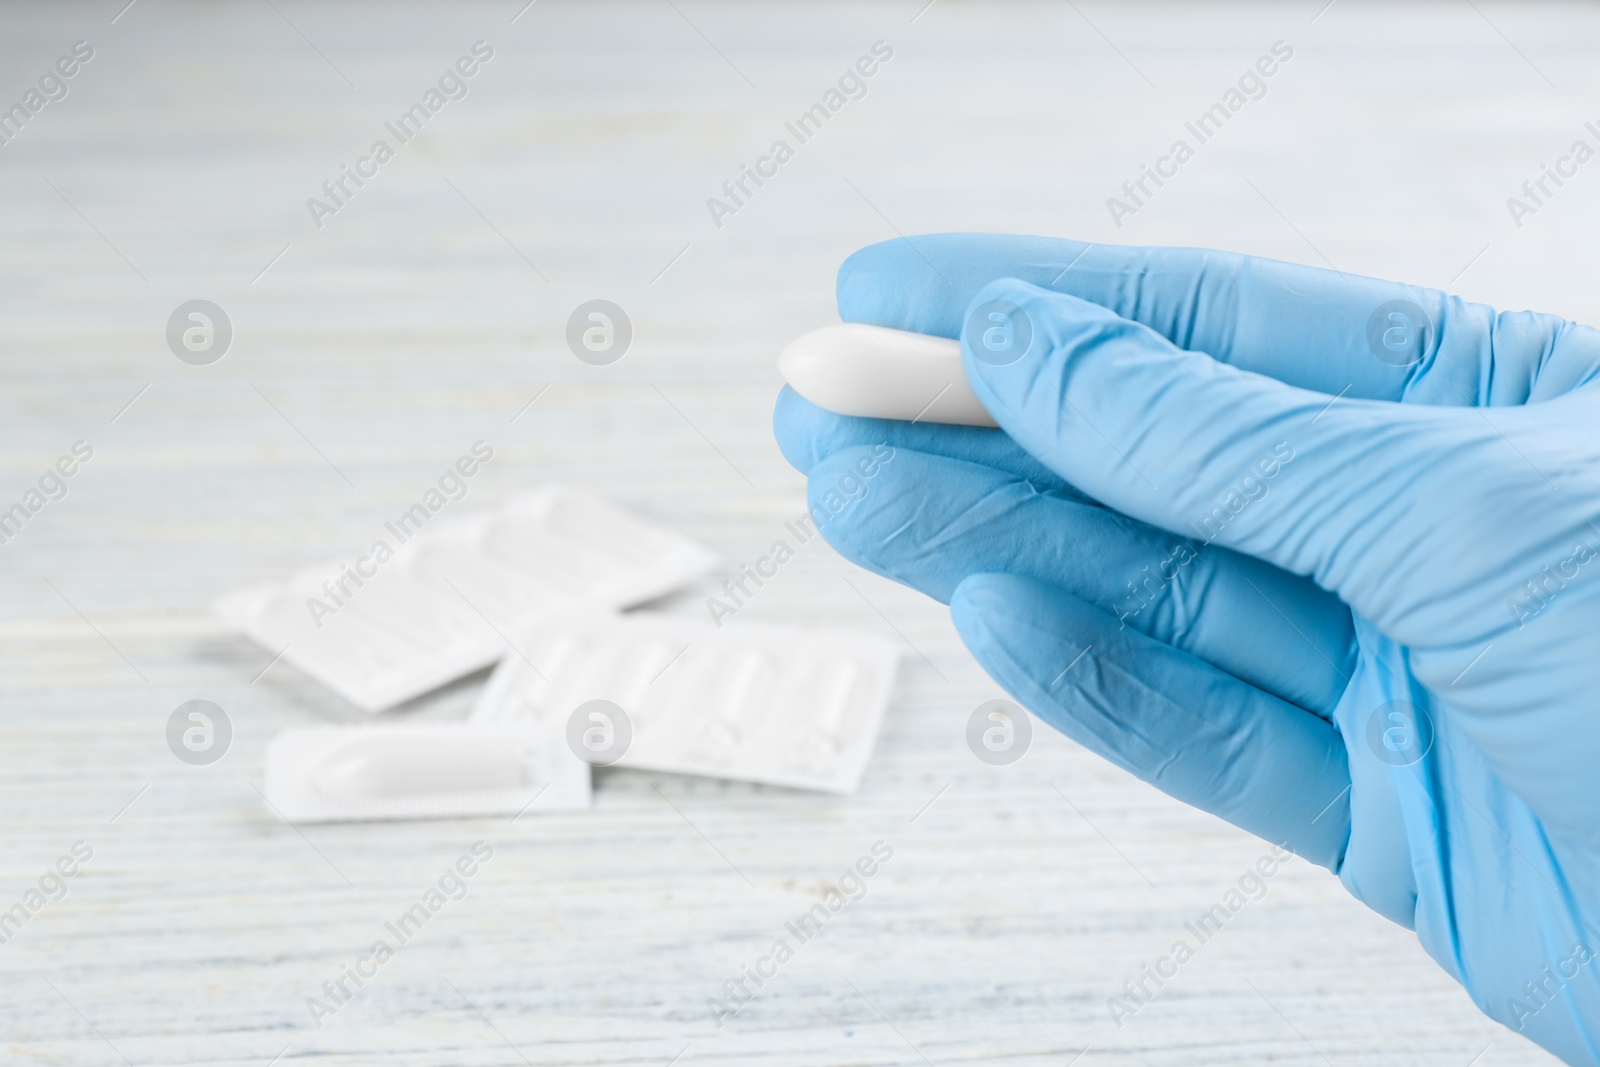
<point x="1328" y="547"/>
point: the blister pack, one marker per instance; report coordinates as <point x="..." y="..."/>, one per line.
<point x="420" y="771"/>
<point x="749" y="701"/>
<point x="425" y="605"/>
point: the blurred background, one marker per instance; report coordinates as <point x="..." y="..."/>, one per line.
<point x="374" y="339"/>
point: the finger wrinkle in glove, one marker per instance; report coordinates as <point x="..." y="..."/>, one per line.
<point x="1112" y="739"/>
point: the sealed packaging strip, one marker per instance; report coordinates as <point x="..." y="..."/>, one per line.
<point x="754" y="702"/>
<point x="436" y="608"/>
<point x="421" y="770"/>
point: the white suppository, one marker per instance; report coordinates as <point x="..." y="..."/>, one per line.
<point x="750" y="701"/>
<point x="877" y="372"/>
<point x="438" y="608"/>
<point x="420" y="771"/>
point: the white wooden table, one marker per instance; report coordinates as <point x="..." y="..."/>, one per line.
<point x="424" y="314"/>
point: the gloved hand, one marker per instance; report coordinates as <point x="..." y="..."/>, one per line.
<point x="1327" y="548"/>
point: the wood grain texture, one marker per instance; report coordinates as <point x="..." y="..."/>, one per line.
<point x="426" y="313"/>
